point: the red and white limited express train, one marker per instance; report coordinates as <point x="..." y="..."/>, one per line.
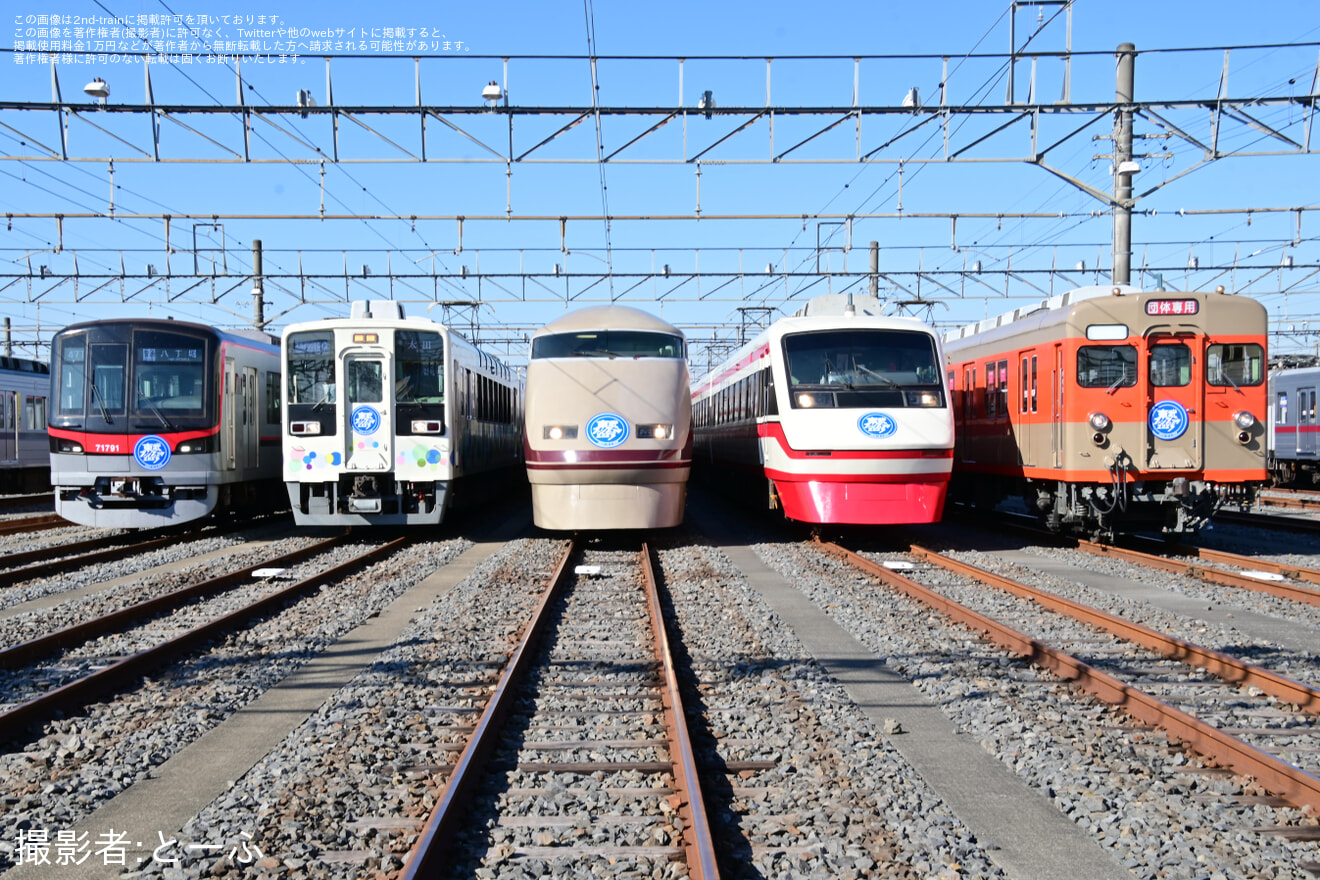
<point x="836" y="415"/>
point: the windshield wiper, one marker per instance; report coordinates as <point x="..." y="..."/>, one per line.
<point x="596" y="352"/>
<point x="325" y="398"/>
<point x="1119" y="381"/>
<point x="100" y="404"/>
<point x="1223" y="374"/>
<point x="164" y="421"/>
<point x="885" y="379"/>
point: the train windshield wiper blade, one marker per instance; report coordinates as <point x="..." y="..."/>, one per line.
<point x="164" y="421"/>
<point x="597" y="352"/>
<point x="100" y="404"/>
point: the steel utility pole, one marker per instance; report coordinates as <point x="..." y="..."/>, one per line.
<point x="1124" y="166"/>
<point x="258" y="288"/>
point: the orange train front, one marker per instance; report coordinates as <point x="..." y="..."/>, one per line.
<point x="1110" y="409"/>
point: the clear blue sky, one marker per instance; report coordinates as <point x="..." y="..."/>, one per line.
<point x="670" y="30"/>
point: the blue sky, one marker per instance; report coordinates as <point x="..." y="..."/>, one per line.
<point x="636" y="247"/>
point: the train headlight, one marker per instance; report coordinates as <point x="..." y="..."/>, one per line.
<point x="69" y="447"/>
<point x="304" y="428"/>
<point x="923" y="398"/>
<point x="1099" y="421"/>
<point x="559" y="432"/>
<point x="813" y="401"/>
<point x="427" y="426"/>
<point x="192" y="447"/>
<point x="1244" y="419"/>
<point x="655" y="432"/>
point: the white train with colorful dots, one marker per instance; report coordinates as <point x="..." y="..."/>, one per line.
<point x="837" y="414"/>
<point x="160" y="422"/>
<point x="387" y="417"/>
<point x="609" y="421"/>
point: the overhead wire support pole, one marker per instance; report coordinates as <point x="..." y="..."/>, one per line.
<point x="1124" y="166"/>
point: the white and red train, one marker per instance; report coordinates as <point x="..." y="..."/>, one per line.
<point x="608" y="437"/>
<point x="1110" y="409"/>
<point x="159" y="422"/>
<point x="836" y="415"/>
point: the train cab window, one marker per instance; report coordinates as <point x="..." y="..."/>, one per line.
<point x="72" y="365"/>
<point x="1235" y="365"/>
<point x="310" y="361"/>
<point x="169" y="372"/>
<point x="608" y="344"/>
<point x="1107" y="366"/>
<point x="1170" y="366"/>
<point x="863" y="368"/>
<point x="419" y="361"/>
<point x="109" y="369"/>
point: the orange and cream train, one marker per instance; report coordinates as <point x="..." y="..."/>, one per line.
<point x="835" y="415"/>
<point x="1110" y="409"/>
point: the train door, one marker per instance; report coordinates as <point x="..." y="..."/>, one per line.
<point x="229" y="433"/>
<point x="1175" y="400"/>
<point x="1306" y="422"/>
<point x="9" y="421"/>
<point x="250" y="440"/>
<point x="367" y="408"/>
<point x="1056" y="406"/>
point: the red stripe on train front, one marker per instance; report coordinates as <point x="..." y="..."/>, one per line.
<point x="884" y="501"/>
<point x="95" y="443"/>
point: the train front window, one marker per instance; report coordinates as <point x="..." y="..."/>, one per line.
<point x="1170" y="366"/>
<point x="311" y="367"/>
<point x="419" y="367"/>
<point x="608" y="344"/>
<point x="169" y="375"/>
<point x="1235" y="365"/>
<point x="863" y="368"/>
<point x="71" y="375"/>
<point x="1107" y="366"/>
<point x="109" y="370"/>
<point x="364" y="381"/>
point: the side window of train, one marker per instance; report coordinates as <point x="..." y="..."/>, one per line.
<point x="1026" y="386"/>
<point x="991" y="398"/>
<point x="1281" y="409"/>
<point x="1034" y="382"/>
<point x="1003" y="389"/>
<point x="272" y="398"/>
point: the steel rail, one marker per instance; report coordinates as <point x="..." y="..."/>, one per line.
<point x="37" y="563"/>
<point x="698" y="841"/>
<point x="32" y="524"/>
<point x="1217" y="663"/>
<point x="1283" y="779"/>
<point x="1263" y="521"/>
<point x="26" y="652"/>
<point x="77" y="694"/>
<point x="1203" y="572"/>
<point x="427" y="858"/>
<point x="1296" y="572"/>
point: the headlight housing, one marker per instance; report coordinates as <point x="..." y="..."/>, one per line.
<point x="655" y="432"/>
<point x="195" y="446"/>
<point x="559" y="432"/>
<point x="1244" y="419"/>
<point x="809" y="400"/>
<point x="923" y="398"/>
<point x="1099" y="421"/>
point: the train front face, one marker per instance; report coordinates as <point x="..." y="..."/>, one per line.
<point x="366" y="440"/>
<point x="608" y="427"/>
<point x="134" y="423"/>
<point x="867" y="432"/>
<point x="1167" y="411"/>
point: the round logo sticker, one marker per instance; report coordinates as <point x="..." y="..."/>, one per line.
<point x="152" y="452"/>
<point x="1168" y="420"/>
<point x="607" y="430"/>
<point x="365" y="420"/>
<point x="877" y="425"/>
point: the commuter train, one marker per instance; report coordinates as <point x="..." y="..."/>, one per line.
<point x="160" y="422"/>
<point x="24" y="453"/>
<point x="1109" y="409"/>
<point x="609" y="421"/>
<point x="836" y="415"/>
<point x="1294" y="428"/>
<point x="386" y="415"/>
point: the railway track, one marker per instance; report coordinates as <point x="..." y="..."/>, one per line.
<point x="588" y="696"/>
<point x="94" y="675"/>
<point x="1266" y="730"/>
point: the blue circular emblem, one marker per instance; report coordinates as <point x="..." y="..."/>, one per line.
<point x="608" y="430"/>
<point x="365" y="420"/>
<point x="877" y="425"/>
<point x="1168" y="420"/>
<point x="152" y="452"/>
